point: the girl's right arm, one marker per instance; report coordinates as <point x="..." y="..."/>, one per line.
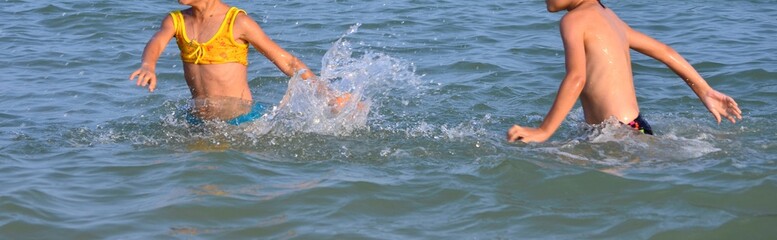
<point x="146" y="73"/>
<point x="251" y="32"/>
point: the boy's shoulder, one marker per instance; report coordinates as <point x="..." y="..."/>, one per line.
<point x="580" y="13"/>
<point x="574" y="19"/>
<point x="580" y="17"/>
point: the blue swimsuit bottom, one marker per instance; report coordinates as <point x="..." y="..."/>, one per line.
<point x="257" y="110"/>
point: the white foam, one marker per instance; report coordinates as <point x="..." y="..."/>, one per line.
<point x="614" y="147"/>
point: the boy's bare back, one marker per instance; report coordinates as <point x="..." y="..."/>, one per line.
<point x="598" y="35"/>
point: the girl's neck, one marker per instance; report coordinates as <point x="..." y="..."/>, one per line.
<point x="206" y="9"/>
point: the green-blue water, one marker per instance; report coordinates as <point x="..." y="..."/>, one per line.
<point x="85" y="154"/>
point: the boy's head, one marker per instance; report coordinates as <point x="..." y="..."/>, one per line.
<point x="558" y="5"/>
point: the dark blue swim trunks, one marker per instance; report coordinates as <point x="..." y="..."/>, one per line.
<point x="640" y="124"/>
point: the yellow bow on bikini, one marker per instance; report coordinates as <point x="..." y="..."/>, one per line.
<point x="199" y="52"/>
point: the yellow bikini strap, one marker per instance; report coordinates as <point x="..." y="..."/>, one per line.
<point x="177" y="21"/>
<point x="232" y="14"/>
<point x="231" y="17"/>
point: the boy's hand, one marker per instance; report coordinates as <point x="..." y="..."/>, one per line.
<point x="526" y="135"/>
<point x="720" y="104"/>
<point x="145" y="77"/>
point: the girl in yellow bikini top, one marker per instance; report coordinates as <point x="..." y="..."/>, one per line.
<point x="222" y="48"/>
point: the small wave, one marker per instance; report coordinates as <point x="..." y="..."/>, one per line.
<point x="611" y="146"/>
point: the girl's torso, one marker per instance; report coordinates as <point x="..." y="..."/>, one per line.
<point x="215" y="61"/>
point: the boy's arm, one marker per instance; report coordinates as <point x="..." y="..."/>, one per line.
<point x="146" y="73"/>
<point x="717" y="103"/>
<point x="574" y="47"/>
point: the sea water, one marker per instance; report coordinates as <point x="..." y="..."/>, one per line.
<point x="417" y="153"/>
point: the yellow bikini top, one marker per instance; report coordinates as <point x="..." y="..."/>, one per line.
<point x="222" y="48"/>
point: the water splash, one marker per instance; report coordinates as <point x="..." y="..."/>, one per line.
<point x="313" y="107"/>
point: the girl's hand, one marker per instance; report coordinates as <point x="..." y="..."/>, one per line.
<point x="339" y="102"/>
<point x="146" y="77"/>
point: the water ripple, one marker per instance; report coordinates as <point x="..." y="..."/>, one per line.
<point x="86" y="154"/>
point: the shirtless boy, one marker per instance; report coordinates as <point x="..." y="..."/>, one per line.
<point x="598" y="71"/>
<point x="214" y="38"/>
